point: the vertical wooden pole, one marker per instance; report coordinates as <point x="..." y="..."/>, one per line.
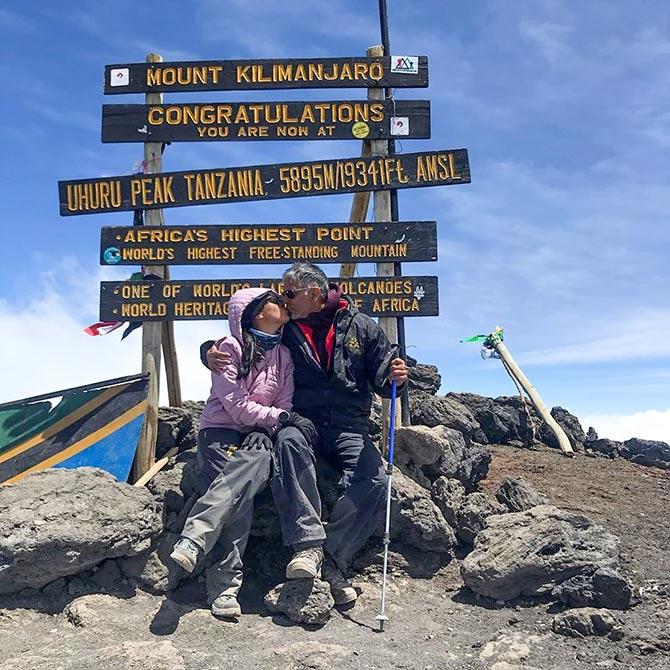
<point x="151" y="330"/>
<point x="170" y="357"/>
<point x="358" y="214"/>
<point x="382" y="214"/>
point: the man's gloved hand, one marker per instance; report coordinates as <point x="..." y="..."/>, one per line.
<point x="258" y="441"/>
<point x="305" y="426"/>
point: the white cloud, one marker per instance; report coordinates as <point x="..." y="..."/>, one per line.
<point x="633" y="336"/>
<point x="649" y="425"/>
<point x="46" y="349"/>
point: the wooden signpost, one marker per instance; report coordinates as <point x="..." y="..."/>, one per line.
<point x="263" y="182"/>
<point x="375" y="121"/>
<point x="224" y="121"/>
<point x="264" y="74"/>
<point x="265" y="243"/>
<point x="177" y="300"/>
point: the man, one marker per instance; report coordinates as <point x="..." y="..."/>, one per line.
<point x="341" y="358"/>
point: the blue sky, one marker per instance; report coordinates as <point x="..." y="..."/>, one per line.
<point x="562" y="236"/>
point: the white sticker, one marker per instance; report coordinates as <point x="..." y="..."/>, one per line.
<point x="405" y="64"/>
<point x="400" y="125"/>
<point x="119" y="76"/>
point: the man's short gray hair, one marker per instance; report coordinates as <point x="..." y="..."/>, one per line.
<point x="306" y="275"/>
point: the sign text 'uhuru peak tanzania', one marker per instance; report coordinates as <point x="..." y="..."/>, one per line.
<point x="263" y="182"/>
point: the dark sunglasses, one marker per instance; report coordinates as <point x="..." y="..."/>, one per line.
<point x="290" y="293"/>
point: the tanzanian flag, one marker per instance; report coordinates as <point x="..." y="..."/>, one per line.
<point x="96" y="425"/>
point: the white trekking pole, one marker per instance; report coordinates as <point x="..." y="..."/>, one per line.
<point x="389" y="477"/>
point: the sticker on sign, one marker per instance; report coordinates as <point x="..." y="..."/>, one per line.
<point x="119" y="76"/>
<point x="405" y="64"/>
<point x="400" y="125"/>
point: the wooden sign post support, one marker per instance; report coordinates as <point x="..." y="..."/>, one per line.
<point x="151" y="331"/>
<point x="382" y="213"/>
<point x="386" y="45"/>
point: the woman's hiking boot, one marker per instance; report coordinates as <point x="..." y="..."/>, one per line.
<point x="226" y="607"/>
<point x="342" y="591"/>
<point x="305" y="564"/>
<point x="185" y="553"/>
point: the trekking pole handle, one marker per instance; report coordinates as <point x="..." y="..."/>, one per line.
<point x="392" y="423"/>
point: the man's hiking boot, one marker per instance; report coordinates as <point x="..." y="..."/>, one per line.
<point x="185" y="553"/>
<point x="226" y="607"/>
<point x="305" y="564"/>
<point x="342" y="591"/>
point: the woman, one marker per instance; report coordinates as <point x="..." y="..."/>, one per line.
<point x="250" y="400"/>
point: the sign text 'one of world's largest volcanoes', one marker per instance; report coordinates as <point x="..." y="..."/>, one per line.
<point x="244" y="75"/>
<point x="263" y="182"/>
<point x="177" y="300"/>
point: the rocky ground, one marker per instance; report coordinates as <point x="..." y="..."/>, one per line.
<point x="434" y="622"/>
<point x="505" y="554"/>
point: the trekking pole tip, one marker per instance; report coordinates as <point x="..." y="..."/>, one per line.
<point x="382" y="618"/>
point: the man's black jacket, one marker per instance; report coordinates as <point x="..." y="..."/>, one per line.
<point x="361" y="358"/>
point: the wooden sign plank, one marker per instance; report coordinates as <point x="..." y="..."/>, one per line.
<point x="272" y="243"/>
<point x="203" y="299"/>
<point x="263" y="74"/>
<point x="238" y="121"/>
<point x="263" y="182"/>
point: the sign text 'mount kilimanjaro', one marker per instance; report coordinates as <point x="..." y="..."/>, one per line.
<point x="243" y="75"/>
<point x="270" y="243"/>
<point x="176" y="300"/>
<point x="235" y="121"/>
<point x="263" y="182"/>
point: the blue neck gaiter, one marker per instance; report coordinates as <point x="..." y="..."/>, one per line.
<point x="264" y="340"/>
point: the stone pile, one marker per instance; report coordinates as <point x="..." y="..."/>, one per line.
<point x="79" y="531"/>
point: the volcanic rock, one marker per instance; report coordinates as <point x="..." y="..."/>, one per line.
<point x="472" y="514"/>
<point x="303" y="601"/>
<point x="518" y="495"/>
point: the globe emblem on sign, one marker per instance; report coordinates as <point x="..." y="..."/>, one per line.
<point x="111" y="255"/>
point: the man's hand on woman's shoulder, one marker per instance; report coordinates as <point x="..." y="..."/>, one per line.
<point x="217" y="360"/>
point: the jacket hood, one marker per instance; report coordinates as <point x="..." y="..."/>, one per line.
<point x="237" y="305"/>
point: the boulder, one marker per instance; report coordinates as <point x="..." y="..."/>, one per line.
<point x="518" y="495"/>
<point x="448" y="495"/>
<point x="61" y="522"/>
<point x="423" y="378"/>
<point x="604" y="587"/>
<point x="415" y="519"/>
<point x="472" y="514"/>
<point x="586" y="622"/>
<point x="166" y="488"/>
<point x="569" y="423"/>
<point x="605" y="447"/>
<point x="591" y="434"/>
<point x="88" y="611"/>
<point x="647" y="452"/>
<point x="138" y="655"/>
<point x="529" y="553"/>
<point x="502" y="419"/>
<point x="420" y="446"/>
<point x="154" y="570"/>
<point x="303" y="601"/>
<point x="468" y="464"/>
<point x="178" y="427"/>
<point x="428" y="410"/>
